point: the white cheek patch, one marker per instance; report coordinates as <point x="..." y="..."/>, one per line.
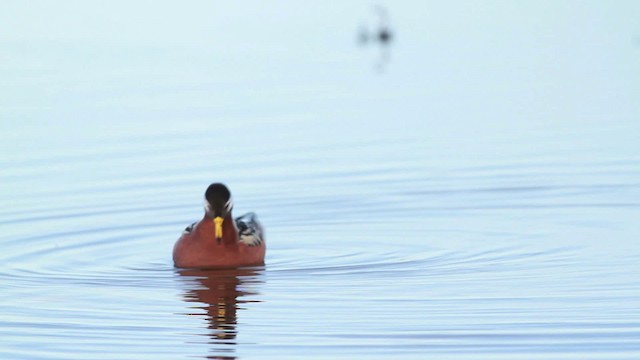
<point x="229" y="205"/>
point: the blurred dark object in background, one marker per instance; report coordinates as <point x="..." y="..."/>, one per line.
<point x="380" y="35"/>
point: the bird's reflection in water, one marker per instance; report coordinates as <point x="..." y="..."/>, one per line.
<point x="220" y="294"/>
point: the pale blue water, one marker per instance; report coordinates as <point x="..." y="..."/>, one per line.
<point x="476" y="195"/>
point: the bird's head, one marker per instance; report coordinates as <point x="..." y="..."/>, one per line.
<point x="218" y="206"/>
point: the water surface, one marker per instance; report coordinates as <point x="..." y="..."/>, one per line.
<point x="475" y="195"/>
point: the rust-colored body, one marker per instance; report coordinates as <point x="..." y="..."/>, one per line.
<point x="199" y="248"/>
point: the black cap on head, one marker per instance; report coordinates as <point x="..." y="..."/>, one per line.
<point x="218" y="199"/>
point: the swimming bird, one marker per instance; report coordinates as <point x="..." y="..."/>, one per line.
<point x="219" y="240"/>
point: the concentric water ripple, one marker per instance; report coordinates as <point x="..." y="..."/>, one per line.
<point x="423" y="267"/>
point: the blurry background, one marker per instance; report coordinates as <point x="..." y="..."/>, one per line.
<point x="466" y="186"/>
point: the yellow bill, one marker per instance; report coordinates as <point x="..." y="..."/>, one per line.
<point x="217" y="222"/>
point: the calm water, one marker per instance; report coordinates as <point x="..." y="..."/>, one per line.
<point x="470" y="190"/>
